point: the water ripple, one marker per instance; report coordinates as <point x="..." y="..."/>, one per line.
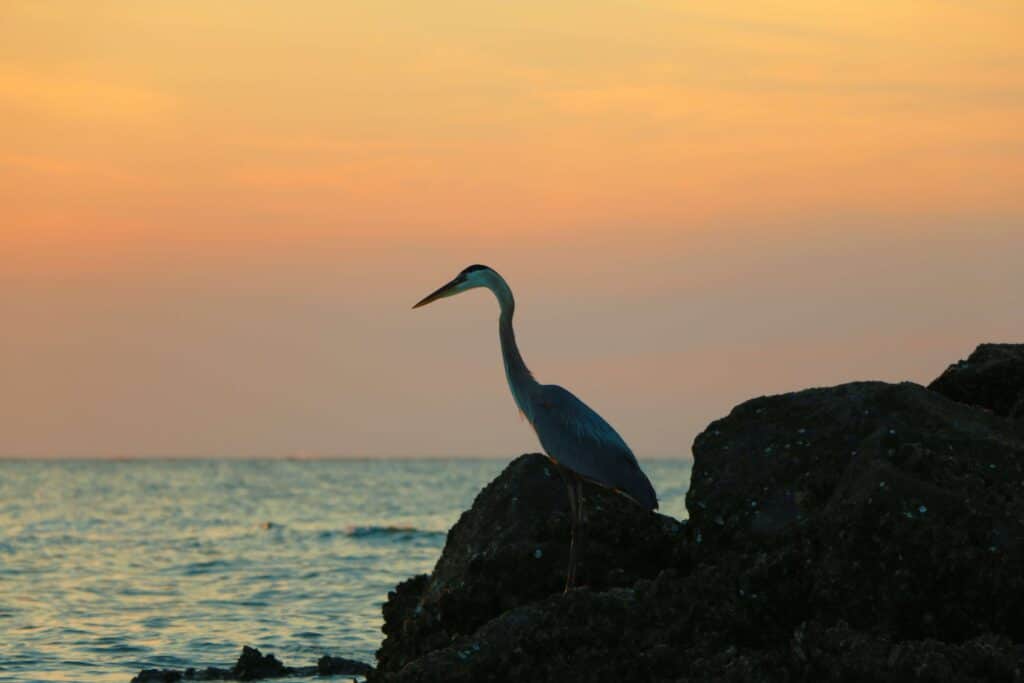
<point x="110" y="567"/>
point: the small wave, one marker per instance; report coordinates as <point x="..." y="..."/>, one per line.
<point x="389" y="530"/>
<point x="208" y="567"/>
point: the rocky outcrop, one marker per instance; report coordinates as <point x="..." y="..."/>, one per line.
<point x="253" y="665"/>
<point x="992" y="377"/>
<point x="910" y="507"/>
<point x="868" y="531"/>
<point x="511" y="548"/>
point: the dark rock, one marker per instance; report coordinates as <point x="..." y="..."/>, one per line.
<point x="783" y="460"/>
<point x="512" y="548"/>
<point x="157" y="676"/>
<point x="992" y="377"/>
<point x="338" y="666"/>
<point x="211" y="673"/>
<point x="906" y="507"/>
<point x="839" y="653"/>
<point x="867" y="532"/>
<point x="253" y="665"/>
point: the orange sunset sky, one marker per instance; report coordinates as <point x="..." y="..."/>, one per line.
<point x="214" y="216"/>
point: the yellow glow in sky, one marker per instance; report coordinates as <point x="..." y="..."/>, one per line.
<point x="213" y="213"/>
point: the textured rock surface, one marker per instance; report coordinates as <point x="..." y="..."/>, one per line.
<point x="991" y="377"/>
<point x="910" y="506"/>
<point x="512" y="548"/>
<point x="869" y="532"/>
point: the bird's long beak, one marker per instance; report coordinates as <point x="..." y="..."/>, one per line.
<point x="447" y="290"/>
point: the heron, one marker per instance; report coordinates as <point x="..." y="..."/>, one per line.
<point x="580" y="443"/>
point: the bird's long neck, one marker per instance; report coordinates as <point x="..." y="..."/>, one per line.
<point x="520" y="379"/>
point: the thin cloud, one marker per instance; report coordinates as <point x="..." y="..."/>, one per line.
<point x="80" y="97"/>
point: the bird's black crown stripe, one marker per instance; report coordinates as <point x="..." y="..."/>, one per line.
<point x="475" y="267"/>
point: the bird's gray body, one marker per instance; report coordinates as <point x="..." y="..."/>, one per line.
<point x="576" y="437"/>
<point x="572" y="434"/>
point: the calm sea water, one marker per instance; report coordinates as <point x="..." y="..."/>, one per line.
<point x="110" y="567"/>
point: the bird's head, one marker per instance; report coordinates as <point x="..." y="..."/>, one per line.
<point x="470" y="278"/>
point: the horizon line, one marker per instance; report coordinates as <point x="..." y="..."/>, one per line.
<point x="296" y="458"/>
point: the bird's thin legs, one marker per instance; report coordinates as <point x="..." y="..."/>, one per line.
<point x="576" y="545"/>
<point x="574" y="489"/>
<point x="570" y="488"/>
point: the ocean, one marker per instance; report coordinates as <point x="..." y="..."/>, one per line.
<point x="109" y="567"/>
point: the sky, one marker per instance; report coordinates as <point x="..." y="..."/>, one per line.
<point x="215" y="216"/>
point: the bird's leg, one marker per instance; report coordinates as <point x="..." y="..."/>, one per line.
<point x="578" y="535"/>
<point x="570" y="486"/>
